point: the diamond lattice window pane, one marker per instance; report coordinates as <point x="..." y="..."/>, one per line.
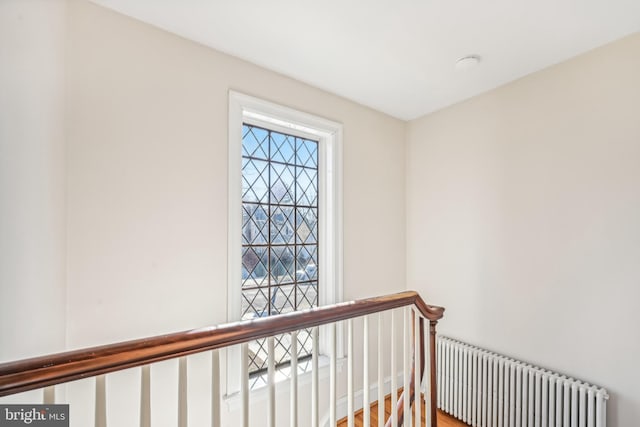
<point x="282" y="147"/>
<point x="282" y="184"/>
<point x="282" y="264"/>
<point x="258" y="355"/>
<point x="283" y="299"/>
<point x="279" y="236"/>
<point x="305" y="343"/>
<point x="306" y="153"/>
<point x="307" y="223"/>
<point x="282" y="348"/>
<point x="255" y="142"/>
<point x="255" y="262"/>
<point x="255" y="224"/>
<point x="257" y="381"/>
<point x="255" y="181"/>
<point x="307" y="295"/>
<point x="307" y="260"/>
<point x="306" y="187"/>
<point x="255" y="303"/>
<point x="282" y="224"/>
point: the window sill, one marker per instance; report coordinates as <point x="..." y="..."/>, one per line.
<point x="259" y="393"/>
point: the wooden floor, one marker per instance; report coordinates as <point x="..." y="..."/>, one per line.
<point x="444" y="420"/>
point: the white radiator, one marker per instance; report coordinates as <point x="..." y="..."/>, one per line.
<point x="486" y="389"/>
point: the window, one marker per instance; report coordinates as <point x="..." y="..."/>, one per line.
<point x="285" y="245"/>
<point x="279" y="234"/>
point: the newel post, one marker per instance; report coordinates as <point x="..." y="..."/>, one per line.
<point x="432" y="370"/>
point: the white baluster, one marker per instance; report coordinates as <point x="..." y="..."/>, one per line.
<point x="216" y="418"/>
<point x="350" y="420"/>
<point x="407" y="365"/>
<point x="182" y="392"/>
<point x="427" y="373"/>
<point x="381" y="419"/>
<point x="294" y="380"/>
<point x="101" y="402"/>
<point x="439" y="371"/>
<point x="244" y="382"/>
<point x="366" y="404"/>
<point x="145" y="396"/>
<point x="332" y="375"/>
<point x="394" y="374"/>
<point x="271" y="382"/>
<point x="314" y="379"/>
<point x="417" y="402"/>
<point x="49" y="395"/>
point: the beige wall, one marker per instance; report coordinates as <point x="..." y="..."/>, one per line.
<point x="523" y="219"/>
<point x="147" y="186"/>
<point x="32" y="178"/>
<point x="147" y="178"/>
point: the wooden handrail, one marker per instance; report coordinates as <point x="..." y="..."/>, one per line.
<point x="30" y="374"/>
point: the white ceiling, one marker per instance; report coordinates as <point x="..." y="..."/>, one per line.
<point x="396" y="56"/>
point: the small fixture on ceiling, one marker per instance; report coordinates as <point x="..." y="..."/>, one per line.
<point x="467" y="62"/>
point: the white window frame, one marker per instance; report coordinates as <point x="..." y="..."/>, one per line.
<point x="247" y="109"/>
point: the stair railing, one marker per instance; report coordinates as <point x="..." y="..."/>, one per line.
<point x="415" y="378"/>
<point x="46" y="372"/>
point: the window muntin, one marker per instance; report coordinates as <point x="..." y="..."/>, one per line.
<point x="279" y="234"/>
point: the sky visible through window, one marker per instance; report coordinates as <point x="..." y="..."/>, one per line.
<point x="279" y="234"/>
